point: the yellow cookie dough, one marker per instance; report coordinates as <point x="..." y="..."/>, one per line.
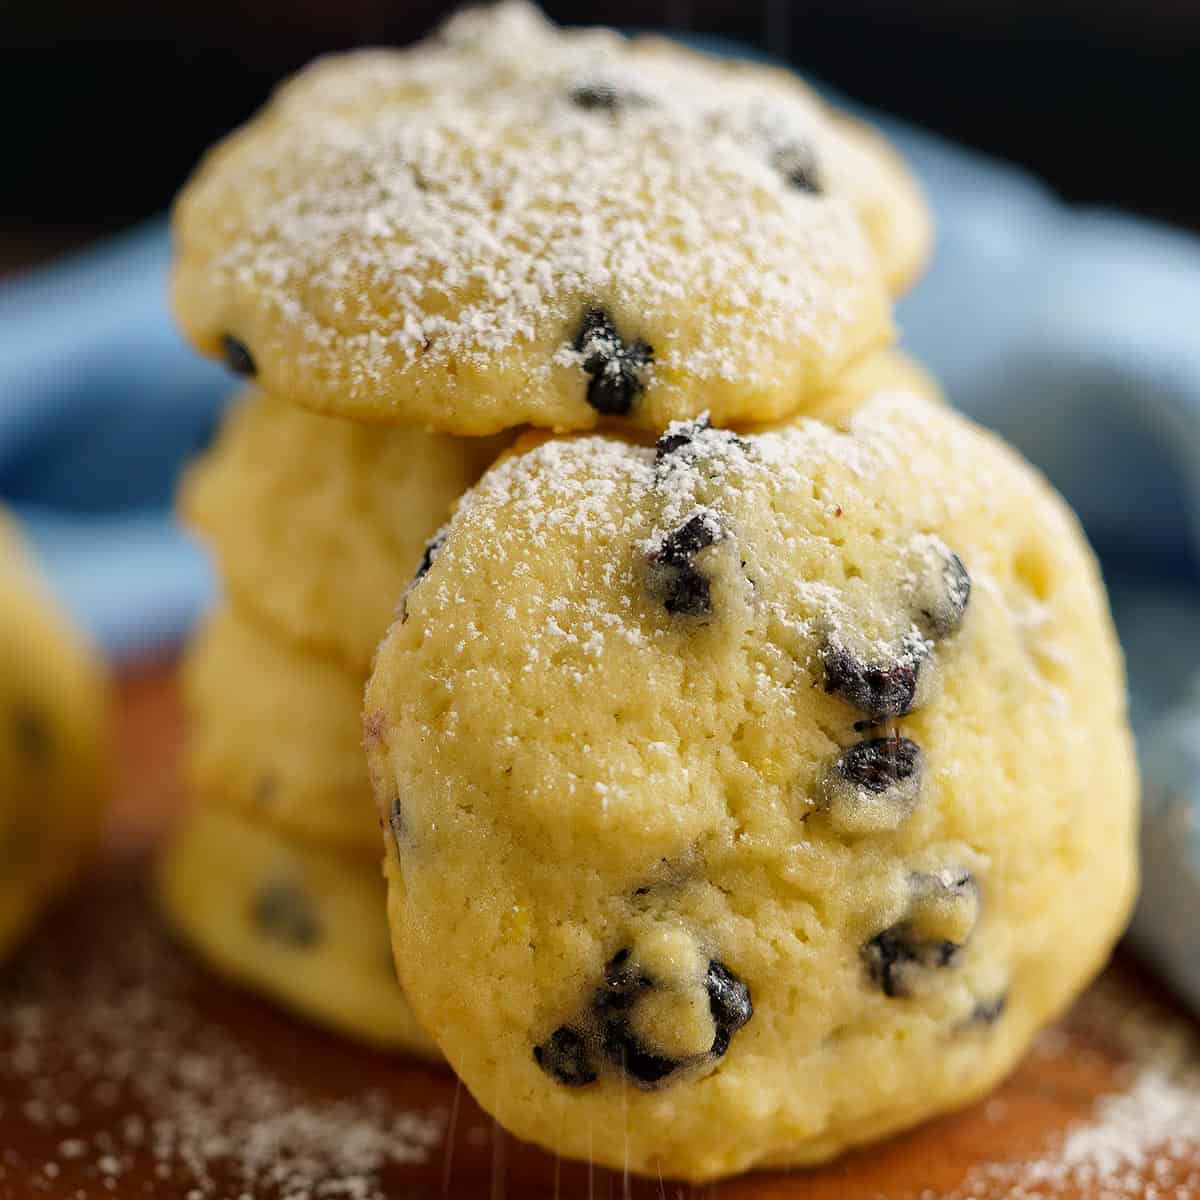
<point x="511" y="223"/>
<point x="304" y="926"/>
<point x="276" y="734"/>
<point x="757" y="795"/>
<point x="55" y="771"/>
<point x="318" y="524"/>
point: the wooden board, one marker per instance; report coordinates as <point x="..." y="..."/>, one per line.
<point x="126" y="1069"/>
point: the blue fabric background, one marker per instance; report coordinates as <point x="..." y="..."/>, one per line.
<point x="1073" y="333"/>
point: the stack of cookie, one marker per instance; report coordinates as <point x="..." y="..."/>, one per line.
<point x="729" y="739"/>
<point x="316" y="526"/>
<point x="340" y="249"/>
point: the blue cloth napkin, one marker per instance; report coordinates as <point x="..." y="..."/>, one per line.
<point x="1072" y="333"/>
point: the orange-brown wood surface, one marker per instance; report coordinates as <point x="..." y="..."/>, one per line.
<point x="962" y="1155"/>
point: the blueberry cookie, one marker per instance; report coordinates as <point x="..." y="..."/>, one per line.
<point x="302" y="925"/>
<point x="54" y="745"/>
<point x="751" y="795"/>
<point x="276" y="735"/>
<point x="511" y="223"/>
<point x="317" y="524"/>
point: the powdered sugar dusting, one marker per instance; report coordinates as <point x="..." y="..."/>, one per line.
<point x="442" y="205"/>
<point x="1141" y="1140"/>
<point x="603" y="491"/>
<point x="878" y="587"/>
<point x="134" y="1087"/>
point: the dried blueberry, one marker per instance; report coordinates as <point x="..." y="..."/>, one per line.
<point x="942" y="588"/>
<point x="621" y="986"/>
<point x="396" y="823"/>
<point x="988" y="1012"/>
<point x="681" y="435"/>
<point x="644" y="1068"/>
<point x="680" y="587"/>
<point x="432" y="547"/>
<point x="237" y="357"/>
<point x="941" y="916"/>
<point x="678" y="435"/>
<point x="728" y="1001"/>
<point x="31" y="735"/>
<point x="604" y="97"/>
<point x="612" y="1005"/>
<point x="689" y="594"/>
<point x="880" y="763"/>
<point x="872" y="787"/>
<point x="702" y="529"/>
<point x="797" y="163"/>
<point x="878" y="689"/>
<point x="428" y="558"/>
<point x="730" y="1004"/>
<point x="616" y="367"/>
<point x="285" y="912"/>
<point x="888" y="955"/>
<point x="565" y="1056"/>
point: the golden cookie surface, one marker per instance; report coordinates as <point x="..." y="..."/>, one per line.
<point x="752" y="796"/>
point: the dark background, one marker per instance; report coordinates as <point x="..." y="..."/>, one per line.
<point x="108" y="103"/>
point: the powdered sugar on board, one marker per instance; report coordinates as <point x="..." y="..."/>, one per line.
<point x="1142" y="1139"/>
<point x="126" y="1083"/>
<point x="123" y="1071"/>
<point x="81" y="995"/>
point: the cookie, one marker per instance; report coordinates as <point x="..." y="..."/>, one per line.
<point x="754" y="795"/>
<point x="301" y="925"/>
<point x="889" y="202"/>
<point x="317" y="524"/>
<point x="275" y="734"/>
<point x="55" y="771"/>
<point x="515" y="224"/>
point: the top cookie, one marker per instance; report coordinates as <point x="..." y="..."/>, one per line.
<point x="514" y="224"/>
